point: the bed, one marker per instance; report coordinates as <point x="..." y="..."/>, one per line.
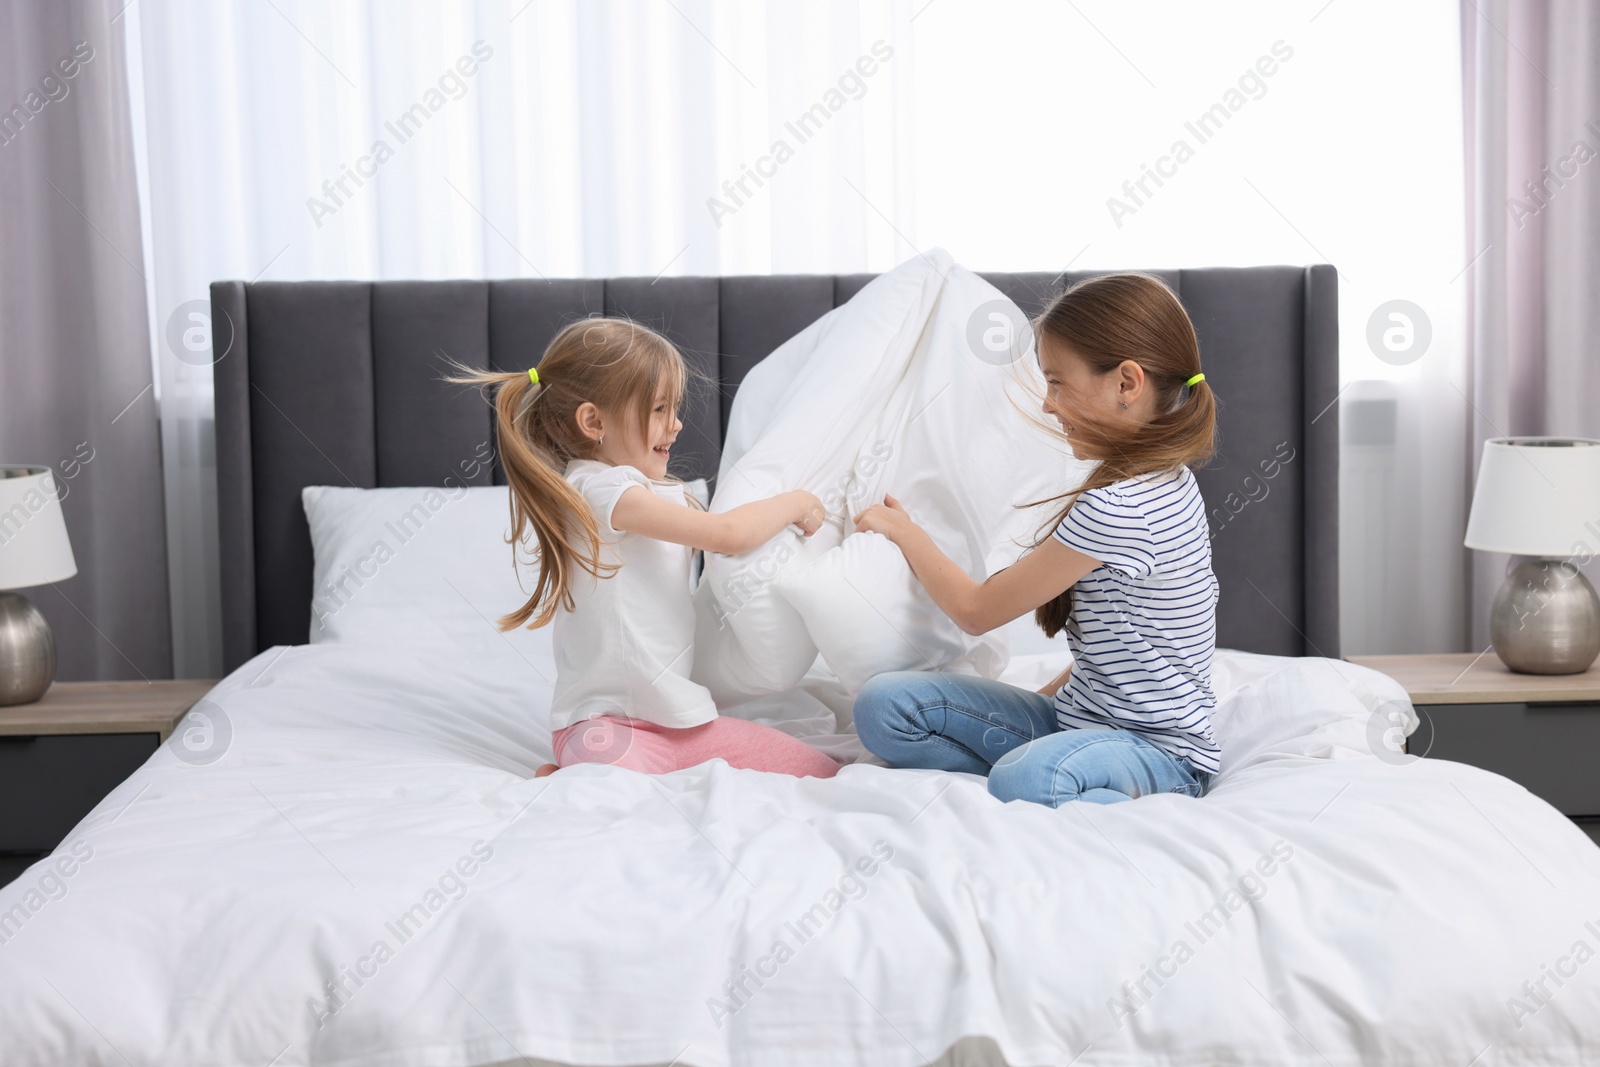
<point x="352" y="864"/>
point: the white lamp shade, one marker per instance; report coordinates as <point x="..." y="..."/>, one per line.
<point x="33" y="536"/>
<point x="1537" y="496"/>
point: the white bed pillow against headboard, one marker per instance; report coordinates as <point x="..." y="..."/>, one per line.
<point x="420" y="565"/>
<point x="412" y="565"/>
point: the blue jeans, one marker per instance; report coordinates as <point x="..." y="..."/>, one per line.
<point x="957" y="723"/>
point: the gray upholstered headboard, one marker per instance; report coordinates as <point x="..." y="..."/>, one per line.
<point x="337" y="383"/>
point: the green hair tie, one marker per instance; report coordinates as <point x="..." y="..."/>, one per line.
<point x="1196" y="378"/>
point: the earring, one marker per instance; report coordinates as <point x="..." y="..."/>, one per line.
<point x="603" y="436"/>
<point x="1124" y="405"/>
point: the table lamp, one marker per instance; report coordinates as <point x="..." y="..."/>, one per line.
<point x="1540" y="497"/>
<point x="33" y="550"/>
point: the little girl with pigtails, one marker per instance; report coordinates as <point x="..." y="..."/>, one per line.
<point x="584" y="439"/>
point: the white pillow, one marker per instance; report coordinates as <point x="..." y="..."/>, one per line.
<point x="869" y="615"/>
<point x="423" y="566"/>
<point x="748" y="641"/>
<point x="1271" y="707"/>
<point x="420" y="565"/>
<point x="800" y="420"/>
<point x="893" y="396"/>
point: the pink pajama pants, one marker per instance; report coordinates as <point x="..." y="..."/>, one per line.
<point x="643" y="746"/>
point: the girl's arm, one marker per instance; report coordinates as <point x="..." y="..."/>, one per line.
<point x="729" y="533"/>
<point x="978" y="607"/>
<point x="1051" y="688"/>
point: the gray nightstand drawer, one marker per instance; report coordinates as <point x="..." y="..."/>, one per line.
<point x="47" y="784"/>
<point x="1552" y="749"/>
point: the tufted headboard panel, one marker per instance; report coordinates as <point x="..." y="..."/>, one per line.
<point x="337" y="383"/>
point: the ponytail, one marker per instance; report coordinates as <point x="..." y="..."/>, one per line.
<point x="563" y="524"/>
<point x="1109" y="320"/>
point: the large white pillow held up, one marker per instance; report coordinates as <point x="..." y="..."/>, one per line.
<point x="963" y="451"/>
<point x="801" y="421"/>
<point x="917" y="387"/>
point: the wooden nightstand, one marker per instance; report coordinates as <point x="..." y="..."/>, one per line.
<point x="1542" y="730"/>
<point x="59" y="757"/>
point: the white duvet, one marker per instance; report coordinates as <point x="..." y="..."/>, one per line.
<point x="367" y="875"/>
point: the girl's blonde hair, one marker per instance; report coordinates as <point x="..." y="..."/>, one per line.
<point x="620" y="367"/>
<point x="1108" y="320"/>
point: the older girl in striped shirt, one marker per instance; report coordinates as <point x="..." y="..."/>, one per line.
<point x="1125" y="570"/>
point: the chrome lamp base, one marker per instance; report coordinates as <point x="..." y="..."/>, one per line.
<point x="1546" y="619"/>
<point x="27" y="651"/>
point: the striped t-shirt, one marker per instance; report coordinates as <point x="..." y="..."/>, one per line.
<point x="1143" y="623"/>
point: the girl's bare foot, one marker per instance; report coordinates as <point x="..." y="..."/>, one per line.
<point x="545" y="771"/>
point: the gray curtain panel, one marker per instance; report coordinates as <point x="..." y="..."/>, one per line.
<point x="75" y="373"/>
<point x="1532" y="92"/>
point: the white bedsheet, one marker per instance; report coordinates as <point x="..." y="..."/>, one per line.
<point x="605" y="911"/>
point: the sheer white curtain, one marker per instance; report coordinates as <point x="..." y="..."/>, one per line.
<point x="1031" y="117"/>
<point x="292" y="140"/>
<point x="613" y="137"/>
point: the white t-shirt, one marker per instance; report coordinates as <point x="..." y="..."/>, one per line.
<point x="1144" y="623"/>
<point x="627" y="646"/>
